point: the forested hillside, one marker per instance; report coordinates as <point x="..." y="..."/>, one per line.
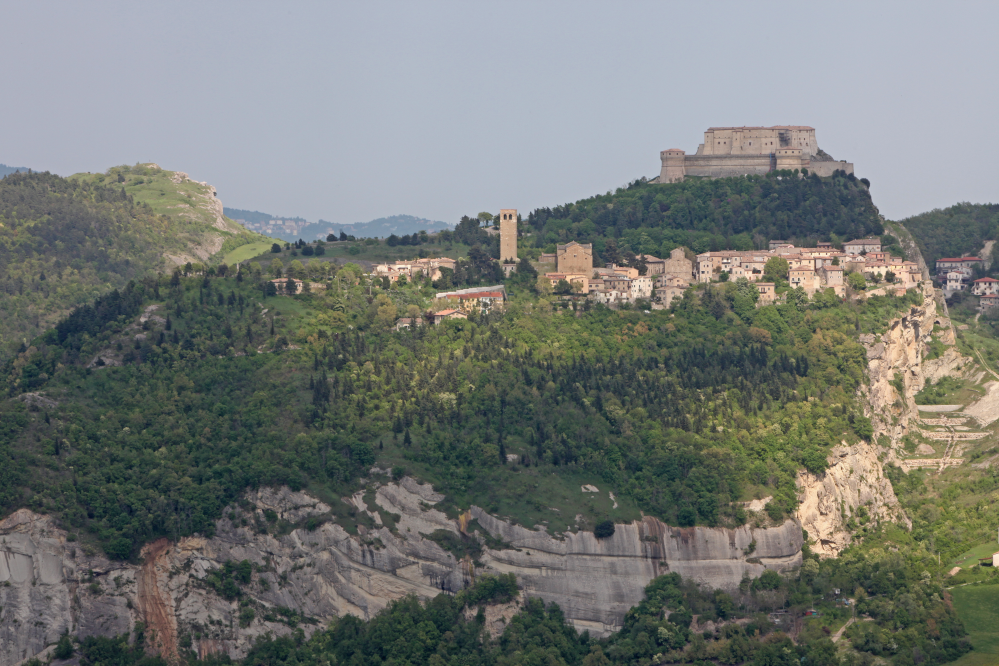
<point x="960" y="230"/>
<point x="65" y="241"/>
<point x="719" y="214"/>
<point x="674" y="409"/>
<point x="136" y="422"/>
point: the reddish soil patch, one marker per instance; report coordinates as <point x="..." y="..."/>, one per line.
<point x="154" y="603"/>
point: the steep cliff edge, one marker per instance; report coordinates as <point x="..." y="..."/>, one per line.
<point x="854" y="486"/>
<point x="854" y="490"/>
<point x="303" y="578"/>
<point x="897" y="370"/>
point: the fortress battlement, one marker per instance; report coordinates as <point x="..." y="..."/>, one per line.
<point x="739" y="151"/>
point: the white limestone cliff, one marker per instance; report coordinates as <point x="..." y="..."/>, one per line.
<point x="49" y="585"/>
<point x="853" y="486"/>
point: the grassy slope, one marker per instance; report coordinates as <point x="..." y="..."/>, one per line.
<point x="978" y="608"/>
<point x="200" y="232"/>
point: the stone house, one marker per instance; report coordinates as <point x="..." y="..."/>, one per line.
<point x="282" y="285"/>
<point x="985" y="286"/>
<point x="767" y="292"/>
<point x="862" y="245"/>
<point x="653" y="265"/>
<point x="988" y="303"/>
<point x="612" y="269"/>
<point x="618" y="282"/>
<point x="440" y="317"/>
<point x="805" y="278"/>
<point x="475" y="298"/>
<point x="572" y="279"/>
<point x="641" y="287"/>
<point x="574" y="257"/>
<point x="832" y="278"/>
<point x="408" y="322"/>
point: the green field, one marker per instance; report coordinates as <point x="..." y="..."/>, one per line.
<point x="248" y="251"/>
<point x="970" y="558"/>
<point x="978" y="608"/>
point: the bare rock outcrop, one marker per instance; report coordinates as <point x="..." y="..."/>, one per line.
<point x="853" y="486"/>
<point x="595" y="581"/>
<point x="304" y="578"/>
<point x="897" y="370"/>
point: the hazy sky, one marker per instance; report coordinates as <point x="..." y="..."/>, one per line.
<point x="351" y="111"/>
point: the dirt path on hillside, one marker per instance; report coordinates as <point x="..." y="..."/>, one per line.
<point x="839" y="634"/>
<point x="154" y="604"/>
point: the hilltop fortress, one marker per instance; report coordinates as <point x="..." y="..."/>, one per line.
<point x="738" y="151"/>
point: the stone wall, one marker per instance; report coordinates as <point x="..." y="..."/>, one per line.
<point x="825" y="168"/>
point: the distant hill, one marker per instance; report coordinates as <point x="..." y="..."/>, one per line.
<point x="959" y="230"/>
<point x="5" y="170"/>
<point x="294" y="228"/>
<point x="396" y="224"/>
<point x="66" y="241"/>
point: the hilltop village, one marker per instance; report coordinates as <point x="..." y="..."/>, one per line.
<point x="569" y="273"/>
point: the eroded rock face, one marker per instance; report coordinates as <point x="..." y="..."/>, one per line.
<point x="854" y="479"/>
<point x="595" y="581"/>
<point x="898" y="353"/>
<point x="49" y="585"/>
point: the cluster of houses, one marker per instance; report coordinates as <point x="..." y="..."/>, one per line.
<point x="458" y="304"/>
<point x="956" y="274"/>
<point x="812" y="268"/>
<point x="663" y="280"/>
<point x="411" y="269"/>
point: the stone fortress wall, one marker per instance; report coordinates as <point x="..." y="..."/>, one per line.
<point x="738" y="151"/>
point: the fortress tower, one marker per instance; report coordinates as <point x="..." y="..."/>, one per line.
<point x="508" y="236"/>
<point x="672" y="171"/>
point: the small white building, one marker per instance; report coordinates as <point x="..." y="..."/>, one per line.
<point x="985" y="286"/>
<point x="955" y="281"/>
<point x="641" y="287"/>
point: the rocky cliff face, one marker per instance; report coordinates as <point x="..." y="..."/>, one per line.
<point x="854" y="486"/>
<point x="896" y="361"/>
<point x="305" y="578"/>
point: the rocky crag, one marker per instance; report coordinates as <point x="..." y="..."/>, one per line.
<point x="854" y="488"/>
<point x="304" y="578"/>
<point x="898" y="370"/>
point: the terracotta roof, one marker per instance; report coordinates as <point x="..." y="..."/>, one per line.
<point x="959" y="259"/>
<point x="446" y="313"/>
<point x="986" y="279"/>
